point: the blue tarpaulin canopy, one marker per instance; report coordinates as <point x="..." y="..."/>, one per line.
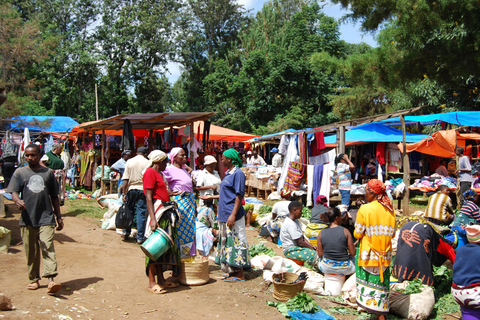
<point x="273" y="135"/>
<point x="461" y="118"/>
<point x="375" y="132"/>
<point x="43" y="123"/>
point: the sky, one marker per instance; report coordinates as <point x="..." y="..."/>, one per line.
<point x="348" y="31"/>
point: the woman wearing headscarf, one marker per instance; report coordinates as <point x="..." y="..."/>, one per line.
<point x="466" y="275"/>
<point x="232" y="251"/>
<point x="470" y="207"/>
<point x="181" y="188"/>
<point x="375" y="228"/>
<point x="157" y="196"/>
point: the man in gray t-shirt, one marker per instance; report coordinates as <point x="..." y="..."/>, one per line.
<point x="464" y="172"/>
<point x="39" y="191"/>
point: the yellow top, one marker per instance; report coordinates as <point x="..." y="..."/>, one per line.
<point x="375" y="228"/>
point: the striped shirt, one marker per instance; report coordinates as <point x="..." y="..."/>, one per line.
<point x="470" y="209"/>
<point x="437" y="207"/>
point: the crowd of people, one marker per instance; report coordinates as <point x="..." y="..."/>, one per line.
<point x="159" y="190"/>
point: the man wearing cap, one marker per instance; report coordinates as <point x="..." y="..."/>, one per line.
<point x="249" y="157"/>
<point x="119" y="167"/>
<point x="276" y="159"/>
<point x="133" y="191"/>
<point x="208" y="181"/>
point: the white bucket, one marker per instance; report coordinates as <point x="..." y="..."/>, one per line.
<point x="334" y="284"/>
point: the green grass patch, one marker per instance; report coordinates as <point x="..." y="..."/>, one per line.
<point x="419" y="201"/>
<point x="82" y="208"/>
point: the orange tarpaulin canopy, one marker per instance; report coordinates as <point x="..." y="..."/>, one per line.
<point x="221" y="134"/>
<point x="216" y="133"/>
<point x="441" y="143"/>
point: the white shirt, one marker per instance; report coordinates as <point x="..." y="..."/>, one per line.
<point x="206" y="178"/>
<point x="258" y="161"/>
<point x="133" y="172"/>
<point x="277" y="161"/>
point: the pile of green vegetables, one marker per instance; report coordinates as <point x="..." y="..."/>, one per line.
<point x="302" y="301"/>
<point x="264" y="210"/>
<point x="442" y="279"/>
<point x="413" y="287"/>
<point x="306" y="213"/>
<point x="260" y="248"/>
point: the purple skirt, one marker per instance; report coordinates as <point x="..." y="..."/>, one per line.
<point x="470" y="313"/>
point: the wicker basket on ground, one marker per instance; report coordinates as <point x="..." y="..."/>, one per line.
<point x="282" y="290"/>
<point x="195" y="272"/>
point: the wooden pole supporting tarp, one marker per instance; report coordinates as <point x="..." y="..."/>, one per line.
<point x="102" y="183"/>
<point x="406" y="170"/>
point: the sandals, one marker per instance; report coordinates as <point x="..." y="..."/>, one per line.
<point x="169" y="284"/>
<point x="156" y="289"/>
<point x="53" y="287"/>
<point x="33" y="286"/>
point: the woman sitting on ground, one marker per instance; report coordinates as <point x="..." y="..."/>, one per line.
<point x="295" y="245"/>
<point x="335" y="245"/>
<point x="206" y="227"/>
<point x="470" y="207"/>
<point x="466" y="275"/>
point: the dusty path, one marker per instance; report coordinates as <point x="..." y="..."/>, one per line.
<point x="104" y="278"/>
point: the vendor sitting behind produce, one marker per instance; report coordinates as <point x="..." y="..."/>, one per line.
<point x="470" y="207"/>
<point x="466" y="275"/>
<point x="295" y="245"/>
<point x="318" y="212"/>
<point x="280" y="211"/>
<point x="439" y="207"/>
<point x="335" y="246"/>
<point x="419" y="247"/>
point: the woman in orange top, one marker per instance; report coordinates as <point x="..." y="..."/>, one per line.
<point x="375" y="228"/>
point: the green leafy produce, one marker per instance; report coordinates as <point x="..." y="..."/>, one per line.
<point x="264" y="210"/>
<point x="306" y="213"/>
<point x="412" y="288"/>
<point x="445" y="303"/>
<point x="302" y="301"/>
<point x="260" y="248"/>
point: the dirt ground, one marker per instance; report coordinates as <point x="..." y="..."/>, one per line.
<point x="104" y="278"/>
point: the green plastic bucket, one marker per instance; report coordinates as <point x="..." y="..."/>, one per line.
<point x="157" y="244"/>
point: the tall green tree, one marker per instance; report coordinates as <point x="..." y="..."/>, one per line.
<point x="21" y="46"/>
<point x="270" y="79"/>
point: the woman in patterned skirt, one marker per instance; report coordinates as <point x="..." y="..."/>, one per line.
<point x="375" y="228"/>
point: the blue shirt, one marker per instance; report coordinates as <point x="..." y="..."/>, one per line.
<point x="233" y="184"/>
<point x="120" y="166"/>
<point x="465" y="270"/>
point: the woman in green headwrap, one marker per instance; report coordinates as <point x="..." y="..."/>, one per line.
<point x="232" y="251"/>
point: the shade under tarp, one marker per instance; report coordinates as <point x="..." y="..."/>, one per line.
<point x="441" y="143"/>
<point x="373" y="132"/>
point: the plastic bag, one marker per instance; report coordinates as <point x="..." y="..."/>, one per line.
<point x="124" y="218"/>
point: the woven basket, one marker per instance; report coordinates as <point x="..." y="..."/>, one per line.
<point x="195" y="273"/>
<point x="283" y="291"/>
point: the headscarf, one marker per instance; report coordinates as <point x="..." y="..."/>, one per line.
<point x="235" y="156"/>
<point x="470" y="194"/>
<point x="154" y="157"/>
<point x="473" y="234"/>
<point x="286" y="193"/>
<point x="377" y="187"/>
<point x="321" y="199"/>
<point x="173" y="153"/>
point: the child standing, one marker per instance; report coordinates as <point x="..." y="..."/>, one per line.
<point x="295" y="245"/>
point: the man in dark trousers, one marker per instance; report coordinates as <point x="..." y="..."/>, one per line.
<point x="39" y="190"/>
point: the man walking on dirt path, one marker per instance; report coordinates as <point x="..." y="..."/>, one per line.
<point x="39" y="190"/>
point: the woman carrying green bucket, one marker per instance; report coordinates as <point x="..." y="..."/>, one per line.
<point x="161" y="246"/>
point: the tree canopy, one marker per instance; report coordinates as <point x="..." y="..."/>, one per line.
<point x="283" y="67"/>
